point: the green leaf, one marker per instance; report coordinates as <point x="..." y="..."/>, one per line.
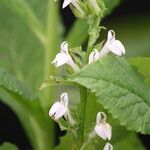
<point x="21" y="8"/>
<point x="10" y="83"/>
<point x="31" y="116"/>
<point x="120" y="90"/>
<point x="16" y="56"/>
<point x="120" y="136"/>
<point x="129" y="143"/>
<point x="142" y="65"/>
<point x="8" y="146"/>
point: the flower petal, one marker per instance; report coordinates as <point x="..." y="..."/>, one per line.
<point x="60" y="59"/>
<point x="104" y="131"/>
<point x="108" y="146"/>
<point x="93" y="56"/>
<point x="54" y="108"/>
<point x="57" y="110"/>
<point x="64" y="47"/>
<point x="108" y="131"/>
<point x="66" y="3"/>
<point x="117" y="48"/>
<point x="100" y="131"/>
<point x="64" y="99"/>
<point x="111" y="35"/>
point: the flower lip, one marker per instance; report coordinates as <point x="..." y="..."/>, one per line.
<point x="102" y="128"/>
<point x="93" y="56"/>
<point x="111" y="35"/>
<point x="112" y="45"/>
<point x="66" y="3"/>
<point x="64" y="47"/>
<point x="63" y="57"/>
<point x="59" y="108"/>
<point x="108" y="146"/>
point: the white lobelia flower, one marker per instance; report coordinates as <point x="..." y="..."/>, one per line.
<point x="113" y="45"/>
<point x="64" y="58"/>
<point x="102" y="128"/>
<point x="59" y="108"/>
<point x="108" y="146"/>
<point x="73" y="2"/>
<point x="66" y="3"/>
<point x="93" y="56"/>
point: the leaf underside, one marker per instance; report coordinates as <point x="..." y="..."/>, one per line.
<point x="10" y="83"/>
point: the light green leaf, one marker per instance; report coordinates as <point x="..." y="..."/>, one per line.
<point x="142" y="65"/>
<point x="16" y="56"/>
<point x="10" y="83"/>
<point x="31" y="117"/>
<point x="120" y="90"/>
<point x="22" y="9"/>
<point x="8" y="146"/>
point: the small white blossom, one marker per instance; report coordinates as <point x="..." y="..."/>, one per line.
<point x="66" y="3"/>
<point x="113" y="45"/>
<point x="59" y="108"/>
<point x="102" y="128"/>
<point x="108" y="146"/>
<point x="93" y="56"/>
<point x="73" y="2"/>
<point x="64" y="58"/>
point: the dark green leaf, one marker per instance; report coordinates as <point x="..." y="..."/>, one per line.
<point x="8" y="146"/>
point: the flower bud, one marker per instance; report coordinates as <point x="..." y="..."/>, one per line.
<point x="96" y="6"/>
<point x="78" y="8"/>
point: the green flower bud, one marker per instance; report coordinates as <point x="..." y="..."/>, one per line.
<point x="96" y="6"/>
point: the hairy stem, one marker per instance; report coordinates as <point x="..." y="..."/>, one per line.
<point x="94" y="29"/>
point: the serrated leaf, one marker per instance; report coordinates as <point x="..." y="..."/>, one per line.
<point x="120" y="90"/>
<point x="10" y="83"/>
<point x="8" y="146"/>
<point x="31" y="116"/>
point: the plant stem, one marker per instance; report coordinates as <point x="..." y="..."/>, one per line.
<point x="93" y="32"/>
<point x="50" y="49"/>
<point x="83" y="102"/>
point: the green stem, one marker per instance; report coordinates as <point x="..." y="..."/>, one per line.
<point x="94" y="29"/>
<point x="83" y="103"/>
<point x="50" y="49"/>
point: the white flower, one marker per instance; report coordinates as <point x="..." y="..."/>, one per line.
<point x="66" y="3"/>
<point x="102" y="128"/>
<point x="108" y="146"/>
<point x="73" y="2"/>
<point x="64" y="58"/>
<point x="113" y="45"/>
<point x="59" y="108"/>
<point x="93" y="56"/>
